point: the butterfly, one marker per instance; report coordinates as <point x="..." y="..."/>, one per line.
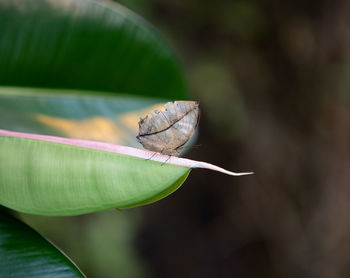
<point x="168" y="131"/>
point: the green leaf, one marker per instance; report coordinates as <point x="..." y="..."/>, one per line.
<point x="60" y="176"/>
<point x="85" y="45"/>
<point x="59" y="179"/>
<point x="25" y="253"/>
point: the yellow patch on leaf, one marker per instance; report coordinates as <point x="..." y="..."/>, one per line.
<point x="95" y="128"/>
<point x="121" y="131"/>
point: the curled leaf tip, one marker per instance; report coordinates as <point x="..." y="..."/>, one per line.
<point x="205" y="165"/>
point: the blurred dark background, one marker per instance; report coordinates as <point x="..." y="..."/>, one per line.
<point x="273" y="81"/>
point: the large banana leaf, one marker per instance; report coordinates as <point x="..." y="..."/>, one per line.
<point x="67" y="177"/>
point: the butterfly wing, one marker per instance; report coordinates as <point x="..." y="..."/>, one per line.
<point x="168" y="131"/>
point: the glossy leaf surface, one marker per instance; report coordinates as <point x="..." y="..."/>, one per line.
<point x="85" y="44"/>
<point x="25" y="253"/>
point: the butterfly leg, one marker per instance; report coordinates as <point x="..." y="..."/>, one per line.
<point x="153" y="155"/>
<point x="169" y="156"/>
<point x="166" y="160"/>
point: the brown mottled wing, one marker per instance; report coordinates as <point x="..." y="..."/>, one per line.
<point x="168" y="131"/>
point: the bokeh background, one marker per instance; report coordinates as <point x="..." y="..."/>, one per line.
<point x="273" y="79"/>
